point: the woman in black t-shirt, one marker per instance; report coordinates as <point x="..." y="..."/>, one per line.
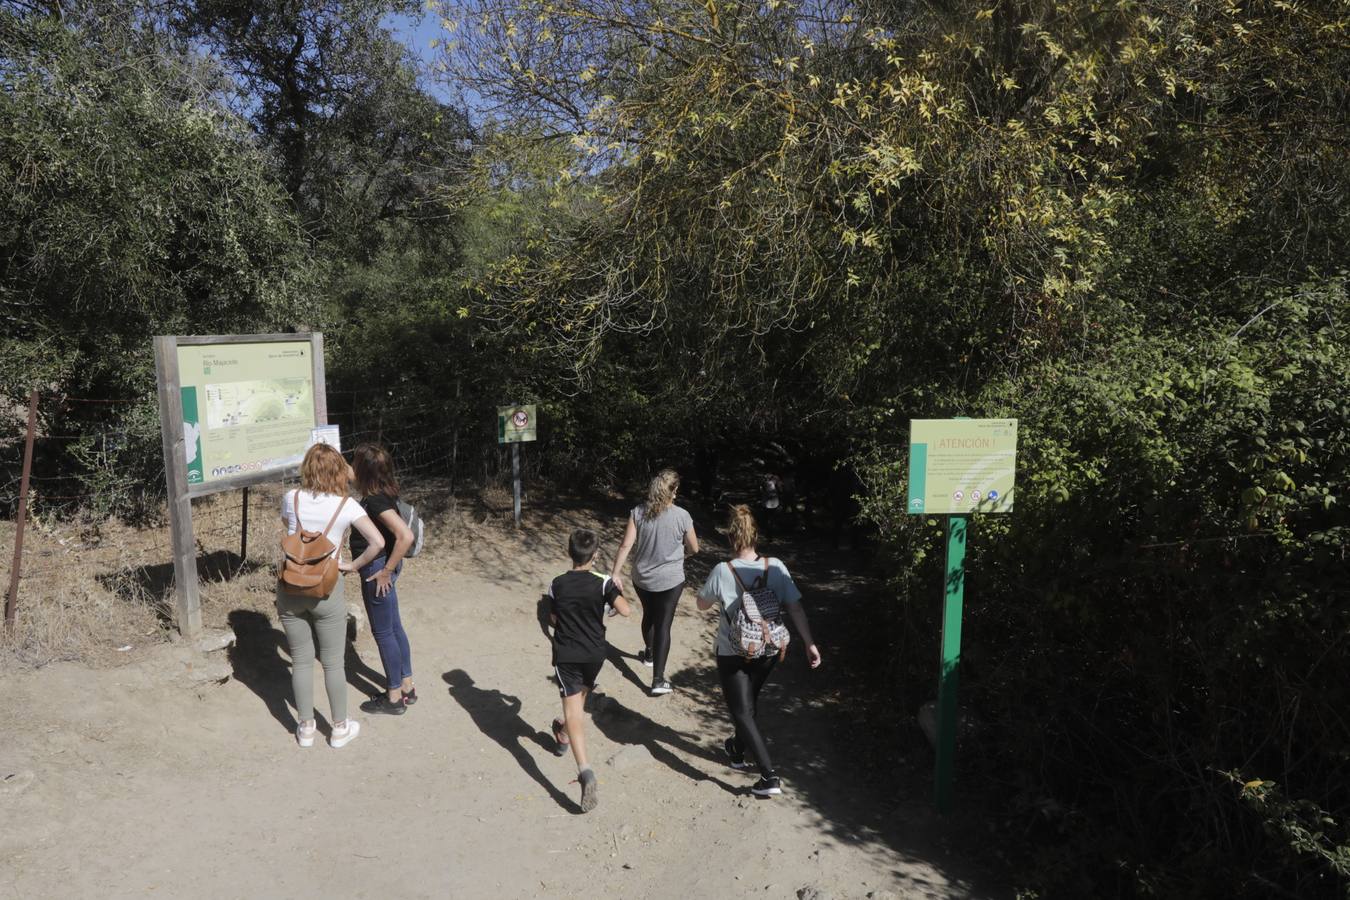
<point x="375" y="480"/>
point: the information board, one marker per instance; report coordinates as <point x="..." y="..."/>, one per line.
<point x="515" y="424"/>
<point x="247" y="408"/>
<point x="234" y="410"/>
<point x="960" y="466"/>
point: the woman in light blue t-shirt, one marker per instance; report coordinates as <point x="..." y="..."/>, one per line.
<point x="742" y="677"/>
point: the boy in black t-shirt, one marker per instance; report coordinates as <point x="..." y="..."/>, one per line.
<point x="577" y="601"/>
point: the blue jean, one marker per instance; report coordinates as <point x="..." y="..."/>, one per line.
<point x="385" y="624"/>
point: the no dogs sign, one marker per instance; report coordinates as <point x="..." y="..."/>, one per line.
<point x="515" y="424"/>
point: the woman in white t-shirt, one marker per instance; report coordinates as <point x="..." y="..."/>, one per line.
<point x="322" y="498"/>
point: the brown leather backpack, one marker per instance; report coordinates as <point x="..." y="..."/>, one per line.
<point x="308" y="566"/>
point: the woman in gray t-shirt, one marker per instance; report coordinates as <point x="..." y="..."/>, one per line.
<point x="660" y="535"/>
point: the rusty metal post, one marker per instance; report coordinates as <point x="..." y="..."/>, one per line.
<point x="12" y="598"/>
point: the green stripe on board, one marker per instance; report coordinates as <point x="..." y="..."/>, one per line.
<point x="918" y="476"/>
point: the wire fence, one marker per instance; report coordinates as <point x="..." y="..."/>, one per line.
<point x="86" y="504"/>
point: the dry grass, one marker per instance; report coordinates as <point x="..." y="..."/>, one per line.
<point x="89" y="589"/>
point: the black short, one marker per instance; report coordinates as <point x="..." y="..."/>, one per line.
<point x="572" y="677"/>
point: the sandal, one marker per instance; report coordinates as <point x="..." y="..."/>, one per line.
<point x="560" y="737"/>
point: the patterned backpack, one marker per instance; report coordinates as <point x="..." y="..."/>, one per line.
<point x="309" y="568"/>
<point x="757" y="629"/>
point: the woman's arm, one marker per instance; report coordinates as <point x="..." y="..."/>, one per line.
<point x="629" y="538"/>
<point x="707" y="595"/>
<point x="403" y="541"/>
<point x="690" y="542"/>
<point x="374" y="544"/>
<point x="798" y="616"/>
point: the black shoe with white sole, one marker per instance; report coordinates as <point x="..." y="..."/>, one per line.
<point x="384" y="706"/>
<point x="736" y="756"/>
<point x="767" y="787"/>
<point x="661" y="687"/>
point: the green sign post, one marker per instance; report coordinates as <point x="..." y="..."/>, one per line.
<point x="514" y="425"/>
<point x="956" y="467"/>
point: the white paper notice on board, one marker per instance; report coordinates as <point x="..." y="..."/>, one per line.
<point x="326" y="434"/>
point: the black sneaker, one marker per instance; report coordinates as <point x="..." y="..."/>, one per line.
<point x="767" y="787"/>
<point x="645" y="657"/>
<point x="383" y="705"/>
<point x="410" y="697"/>
<point x="737" y="757"/>
<point x="661" y="687"/>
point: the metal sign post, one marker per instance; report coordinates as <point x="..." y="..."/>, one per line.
<point x="514" y="425"/>
<point x="957" y="467"/>
<point x="953" y="597"/>
<point x="515" y="482"/>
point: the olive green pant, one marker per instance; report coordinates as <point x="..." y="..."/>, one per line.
<point x="307" y="621"/>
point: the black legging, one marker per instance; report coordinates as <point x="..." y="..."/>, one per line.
<point x="658" y="612"/>
<point x="741" y="680"/>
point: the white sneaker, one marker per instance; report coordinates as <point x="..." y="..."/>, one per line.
<point x="344" y="736"/>
<point x="304" y="734"/>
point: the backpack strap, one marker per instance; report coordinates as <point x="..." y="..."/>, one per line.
<point x="327" y="527"/>
<point x="760" y="581"/>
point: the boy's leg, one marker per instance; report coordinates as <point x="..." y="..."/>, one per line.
<point x="577" y="683"/>
<point x="573" y="711"/>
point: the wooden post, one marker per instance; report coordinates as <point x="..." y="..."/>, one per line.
<point x="320" y="380"/>
<point x="189" y="616"/>
<point x="12" y="598"/>
<point x="243" y="533"/>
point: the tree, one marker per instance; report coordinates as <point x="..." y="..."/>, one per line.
<point x="132" y="204"/>
<point x="328" y="86"/>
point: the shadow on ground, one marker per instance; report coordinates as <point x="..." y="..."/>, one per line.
<point x="868" y="780"/>
<point x="497" y="715"/>
<point x="261" y="663"/>
<point x="153" y="584"/>
<point x="625" y="726"/>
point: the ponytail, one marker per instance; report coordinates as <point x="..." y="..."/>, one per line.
<point x="741" y="528"/>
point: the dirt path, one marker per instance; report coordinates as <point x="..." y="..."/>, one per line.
<point x="121" y="783"/>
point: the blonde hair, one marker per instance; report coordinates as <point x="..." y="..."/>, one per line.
<point x="324" y="471"/>
<point x="741" y="528"/>
<point x="661" y="493"/>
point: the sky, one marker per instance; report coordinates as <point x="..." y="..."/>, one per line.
<point x="418" y="32"/>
